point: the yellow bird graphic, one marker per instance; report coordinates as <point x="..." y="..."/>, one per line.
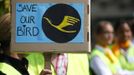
<point x="67" y="21"/>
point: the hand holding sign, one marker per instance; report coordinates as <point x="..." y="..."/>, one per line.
<point x="67" y="21"/>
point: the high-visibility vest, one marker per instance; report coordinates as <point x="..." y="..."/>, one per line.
<point x="123" y="60"/>
<point x="112" y="66"/>
<point x="35" y="63"/>
<point x="78" y="64"/>
<point x="8" y="69"/>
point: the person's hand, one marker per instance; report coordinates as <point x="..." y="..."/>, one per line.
<point x="46" y="72"/>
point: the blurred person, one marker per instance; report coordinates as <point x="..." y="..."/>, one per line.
<point x="131" y="23"/>
<point x="10" y="62"/>
<point x="123" y="47"/>
<point x="77" y="64"/>
<point x="103" y="61"/>
<point x="103" y="36"/>
<point x="61" y="64"/>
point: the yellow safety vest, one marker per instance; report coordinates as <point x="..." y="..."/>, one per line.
<point x="35" y="63"/>
<point x="124" y="63"/>
<point x="112" y="66"/>
<point x="78" y="64"/>
<point x="124" y="59"/>
<point x="8" y="69"/>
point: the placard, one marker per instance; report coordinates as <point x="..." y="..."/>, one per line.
<point x="54" y="26"/>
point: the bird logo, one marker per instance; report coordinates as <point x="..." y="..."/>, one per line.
<point x="61" y="23"/>
<point x="67" y="21"/>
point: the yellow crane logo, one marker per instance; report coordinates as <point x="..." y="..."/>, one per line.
<point x="61" y="23"/>
<point x="67" y="21"/>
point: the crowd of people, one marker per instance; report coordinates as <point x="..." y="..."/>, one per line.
<point x="113" y="53"/>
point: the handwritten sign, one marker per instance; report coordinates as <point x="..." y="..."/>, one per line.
<point x="49" y="26"/>
<point x="49" y="23"/>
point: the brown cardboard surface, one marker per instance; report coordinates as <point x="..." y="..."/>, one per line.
<point x="55" y="47"/>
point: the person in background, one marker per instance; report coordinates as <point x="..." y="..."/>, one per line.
<point x="123" y="47"/>
<point x="103" y="61"/>
<point x="77" y="64"/>
<point x="10" y="62"/>
<point x="61" y="64"/>
<point x="131" y="23"/>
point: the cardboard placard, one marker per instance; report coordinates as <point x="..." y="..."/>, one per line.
<point x="50" y="26"/>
